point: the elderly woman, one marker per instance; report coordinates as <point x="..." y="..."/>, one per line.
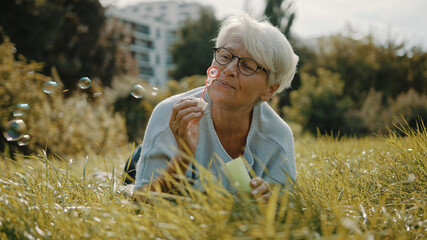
<point x="255" y="61"/>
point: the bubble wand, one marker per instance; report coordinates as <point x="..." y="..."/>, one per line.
<point x="213" y="73"/>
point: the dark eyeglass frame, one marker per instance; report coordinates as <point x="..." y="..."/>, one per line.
<point x="215" y="49"/>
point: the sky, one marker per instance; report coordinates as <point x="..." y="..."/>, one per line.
<point x="401" y="20"/>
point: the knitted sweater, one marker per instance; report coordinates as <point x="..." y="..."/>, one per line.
<point x="269" y="149"/>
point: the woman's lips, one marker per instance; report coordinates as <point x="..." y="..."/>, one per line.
<point x="223" y="84"/>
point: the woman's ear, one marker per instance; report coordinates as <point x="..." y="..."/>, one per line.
<point x="270" y="92"/>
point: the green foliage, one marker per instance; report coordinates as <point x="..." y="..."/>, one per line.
<point x="138" y="111"/>
<point x="319" y="103"/>
<point x="382" y="84"/>
<point x="366" y="188"/>
<point x="411" y="106"/>
<point x="377" y="116"/>
<point x="364" y="64"/>
<point x="192" y="53"/>
<point x="68" y="126"/>
<point x="62" y="34"/>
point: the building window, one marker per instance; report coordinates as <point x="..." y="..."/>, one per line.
<point x="158" y="33"/>
<point x="143" y="57"/>
<point x="144" y="43"/>
<point x="143" y="29"/>
<point x="148" y="71"/>
<point x="169" y="59"/>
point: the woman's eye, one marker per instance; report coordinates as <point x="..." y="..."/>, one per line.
<point x="248" y="67"/>
<point x="225" y="57"/>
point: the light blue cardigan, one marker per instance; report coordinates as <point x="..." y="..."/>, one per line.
<point x="269" y="146"/>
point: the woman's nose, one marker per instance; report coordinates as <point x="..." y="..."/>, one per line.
<point x="232" y="68"/>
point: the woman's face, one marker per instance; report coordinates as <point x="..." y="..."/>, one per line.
<point x="232" y="88"/>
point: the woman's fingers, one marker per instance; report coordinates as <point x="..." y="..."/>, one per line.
<point x="183" y="122"/>
<point x="261" y="188"/>
<point x="182" y="104"/>
<point x="184" y="107"/>
<point x="266" y="196"/>
<point x="184" y="116"/>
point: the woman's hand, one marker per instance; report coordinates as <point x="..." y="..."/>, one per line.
<point x="184" y="123"/>
<point x="261" y="189"/>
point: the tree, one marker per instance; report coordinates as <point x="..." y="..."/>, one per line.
<point x="280" y="15"/>
<point x="363" y="64"/>
<point x="192" y="53"/>
<point x="64" y="34"/>
<point x="378" y="82"/>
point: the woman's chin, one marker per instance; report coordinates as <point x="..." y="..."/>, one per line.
<point x="220" y="93"/>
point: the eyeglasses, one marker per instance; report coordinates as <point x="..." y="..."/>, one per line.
<point x="247" y="66"/>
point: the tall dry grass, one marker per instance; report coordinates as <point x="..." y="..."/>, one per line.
<point x="347" y="188"/>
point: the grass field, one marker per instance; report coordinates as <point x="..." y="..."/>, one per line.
<point x="347" y="188"/>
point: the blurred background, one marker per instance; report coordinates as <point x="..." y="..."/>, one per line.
<point x="82" y="76"/>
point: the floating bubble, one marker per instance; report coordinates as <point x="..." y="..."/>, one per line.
<point x="84" y="83"/>
<point x="154" y="91"/>
<point x="50" y="87"/>
<point x="21" y="109"/>
<point x="97" y="94"/>
<point x="14" y="130"/>
<point x="137" y="91"/>
<point x="24" y="140"/>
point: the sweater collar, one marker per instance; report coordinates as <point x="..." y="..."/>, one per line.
<point x="253" y="128"/>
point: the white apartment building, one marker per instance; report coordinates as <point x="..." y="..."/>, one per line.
<point x="151" y="28"/>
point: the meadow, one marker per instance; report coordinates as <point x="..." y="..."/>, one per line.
<point x="347" y="188"/>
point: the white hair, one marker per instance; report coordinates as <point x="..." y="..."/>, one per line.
<point x="265" y="43"/>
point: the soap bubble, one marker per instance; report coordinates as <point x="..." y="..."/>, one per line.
<point x="137" y="91"/>
<point x="50" y="87"/>
<point x="14" y="130"/>
<point x="21" y="109"/>
<point x="97" y="94"/>
<point x="84" y="83"/>
<point x="24" y="140"/>
<point x="154" y="91"/>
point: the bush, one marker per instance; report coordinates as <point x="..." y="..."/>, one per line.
<point x="372" y="117"/>
<point x="67" y="126"/>
<point x="319" y="103"/>
<point x="378" y="117"/>
<point x="410" y="107"/>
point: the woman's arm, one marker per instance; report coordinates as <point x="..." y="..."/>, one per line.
<point x="184" y="124"/>
<point x="177" y="165"/>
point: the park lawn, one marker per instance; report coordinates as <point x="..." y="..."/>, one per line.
<point x="346" y="188"/>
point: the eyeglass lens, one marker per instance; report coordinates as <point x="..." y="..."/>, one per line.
<point x="247" y="66"/>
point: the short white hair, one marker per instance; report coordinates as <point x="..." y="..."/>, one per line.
<point x="267" y="45"/>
